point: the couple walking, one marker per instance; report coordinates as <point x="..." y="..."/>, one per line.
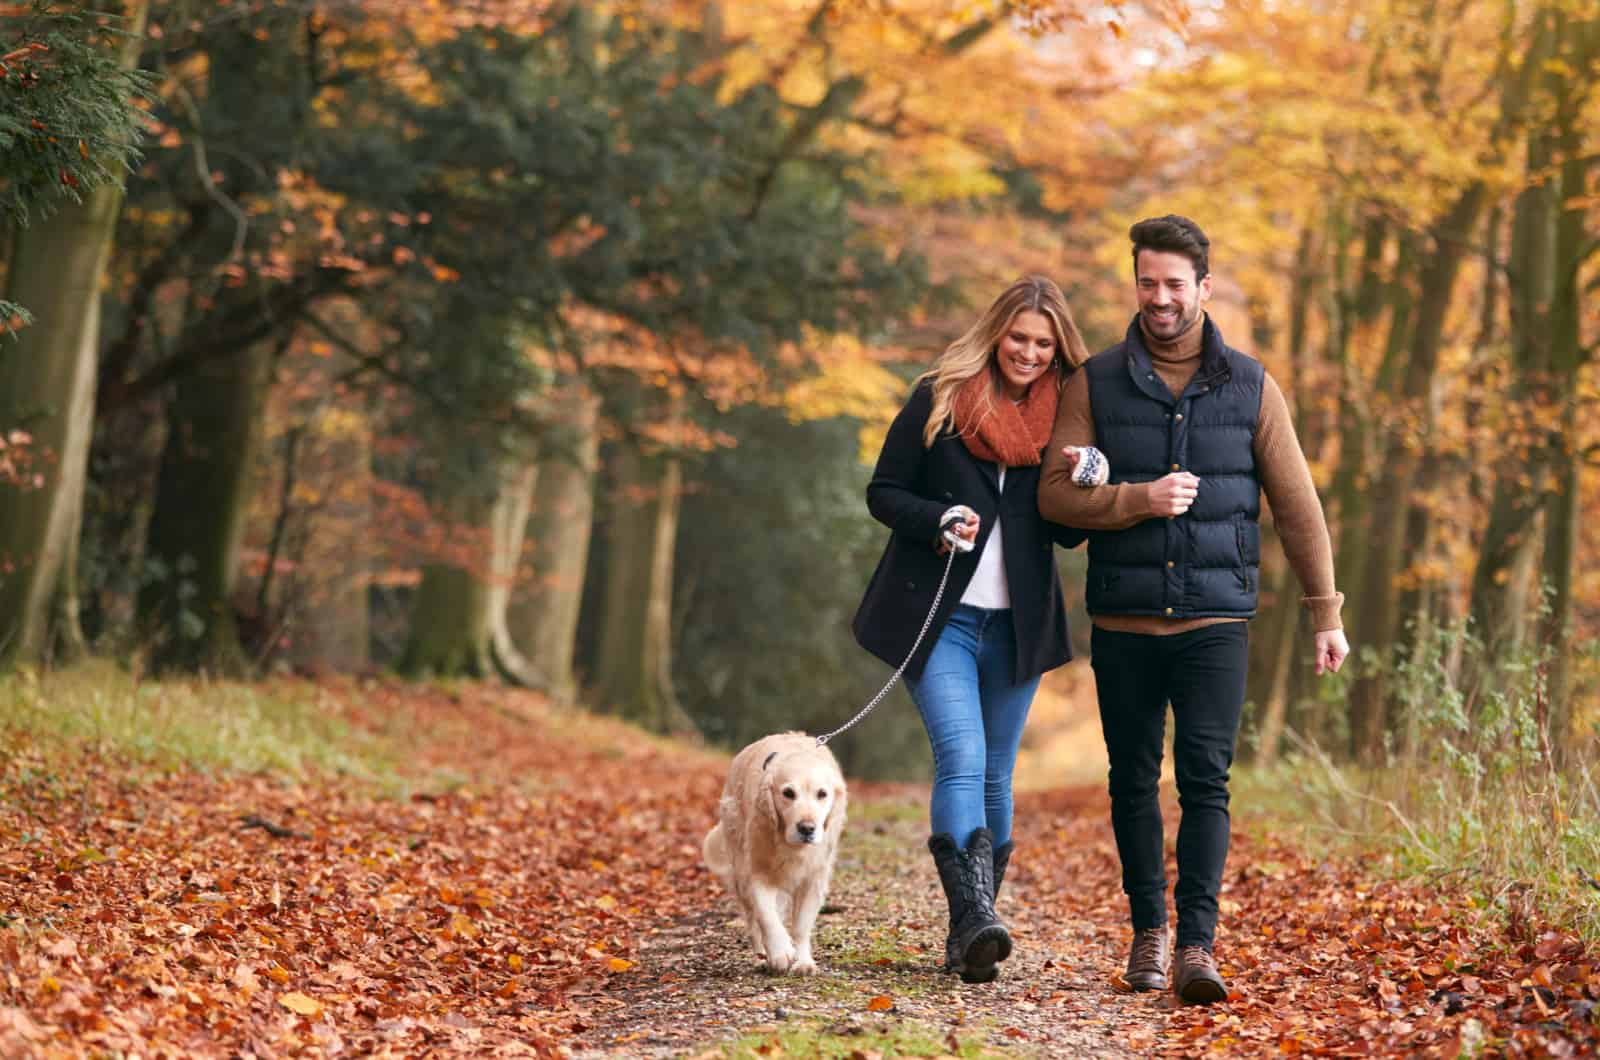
<point x="988" y="446"/>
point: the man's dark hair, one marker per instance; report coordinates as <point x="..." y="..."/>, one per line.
<point x="1178" y="235"/>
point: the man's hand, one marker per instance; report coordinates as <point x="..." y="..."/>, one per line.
<point x="1331" y="651"/>
<point x="1173" y="494"/>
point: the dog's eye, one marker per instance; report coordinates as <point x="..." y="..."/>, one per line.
<point x="788" y="793"/>
<point x="822" y="795"/>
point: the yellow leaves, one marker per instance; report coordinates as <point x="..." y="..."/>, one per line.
<point x="277" y="975"/>
<point x="881" y="1003"/>
<point x="514" y="962"/>
<point x="606" y="902"/>
<point x="947" y="172"/>
<point x="850" y="383"/>
<point x="461" y="926"/>
<point x="295" y="1001"/>
<point x="619" y="964"/>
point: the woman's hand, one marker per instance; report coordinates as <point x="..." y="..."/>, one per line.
<point x="967" y="530"/>
<point x="1086" y="466"/>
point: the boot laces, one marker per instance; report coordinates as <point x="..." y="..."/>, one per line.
<point x="1197" y="957"/>
<point x="1147" y="947"/>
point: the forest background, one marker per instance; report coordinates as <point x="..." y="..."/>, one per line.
<point x="552" y="343"/>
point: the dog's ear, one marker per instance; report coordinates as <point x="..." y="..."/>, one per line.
<point x="772" y="802"/>
<point x="836" y="810"/>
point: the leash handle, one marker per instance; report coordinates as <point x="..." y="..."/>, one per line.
<point x="944" y="580"/>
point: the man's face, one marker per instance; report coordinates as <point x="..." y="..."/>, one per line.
<point x="1170" y="298"/>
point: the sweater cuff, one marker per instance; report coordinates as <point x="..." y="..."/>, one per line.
<point x="1324" y="611"/>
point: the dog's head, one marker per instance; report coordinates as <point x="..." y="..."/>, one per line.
<point x="807" y="795"/>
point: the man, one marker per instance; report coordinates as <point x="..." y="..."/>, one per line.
<point x="1194" y="432"/>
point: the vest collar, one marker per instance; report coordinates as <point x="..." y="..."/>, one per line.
<point x="1213" y="372"/>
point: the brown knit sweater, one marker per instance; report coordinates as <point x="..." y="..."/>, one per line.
<point x="1285" y="478"/>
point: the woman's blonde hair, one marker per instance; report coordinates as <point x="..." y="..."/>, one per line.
<point x="975" y="351"/>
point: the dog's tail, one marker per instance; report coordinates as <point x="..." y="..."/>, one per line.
<point x="715" y="852"/>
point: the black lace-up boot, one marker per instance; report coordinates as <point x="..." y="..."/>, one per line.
<point x="977" y="940"/>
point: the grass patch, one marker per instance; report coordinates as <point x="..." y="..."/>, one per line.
<point x="840" y="1041"/>
<point x="289" y="728"/>
<point x="888" y="811"/>
<point x="1528" y="852"/>
<point x="1471" y="794"/>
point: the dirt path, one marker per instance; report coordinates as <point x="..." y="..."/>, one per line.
<point x="880" y="940"/>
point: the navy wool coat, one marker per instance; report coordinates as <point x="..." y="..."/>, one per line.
<point x="911" y="488"/>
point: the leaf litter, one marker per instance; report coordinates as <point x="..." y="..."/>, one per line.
<point x="554" y="905"/>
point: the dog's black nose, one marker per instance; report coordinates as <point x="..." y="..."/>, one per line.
<point x="806" y="829"/>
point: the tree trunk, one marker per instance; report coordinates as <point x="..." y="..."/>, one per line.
<point x="1282" y="634"/>
<point x="544" y="614"/>
<point x="449" y="625"/>
<point x="508" y="523"/>
<point x="47" y="380"/>
<point x="635" y="656"/>
<point x="1401" y="460"/>
<point x="1571" y="243"/>
<point x="323" y="605"/>
<point x="214" y="424"/>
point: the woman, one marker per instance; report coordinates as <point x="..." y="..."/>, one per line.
<point x="967" y="444"/>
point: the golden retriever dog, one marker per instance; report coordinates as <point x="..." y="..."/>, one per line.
<point x="781" y="814"/>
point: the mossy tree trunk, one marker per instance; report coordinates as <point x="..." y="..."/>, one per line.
<point x="458" y="616"/>
<point x="635" y="650"/>
<point x="214" y="424"/>
<point x="449" y="625"/>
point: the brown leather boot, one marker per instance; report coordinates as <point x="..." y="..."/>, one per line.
<point x="1195" y="977"/>
<point x="1148" y="958"/>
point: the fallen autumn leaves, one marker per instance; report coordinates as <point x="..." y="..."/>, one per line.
<point x="163" y="916"/>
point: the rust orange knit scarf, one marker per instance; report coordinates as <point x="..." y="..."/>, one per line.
<point x="1010" y="433"/>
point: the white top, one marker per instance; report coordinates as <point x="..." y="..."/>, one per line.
<point x="988" y="585"/>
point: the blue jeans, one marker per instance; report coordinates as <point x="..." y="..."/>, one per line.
<point x="974" y="715"/>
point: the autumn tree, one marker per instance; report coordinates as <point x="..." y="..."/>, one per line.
<point x="68" y="126"/>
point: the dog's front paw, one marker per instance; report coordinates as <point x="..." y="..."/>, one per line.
<point x="781" y="959"/>
<point x="803" y="966"/>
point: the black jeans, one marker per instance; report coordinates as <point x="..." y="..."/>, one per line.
<point x="1202" y="674"/>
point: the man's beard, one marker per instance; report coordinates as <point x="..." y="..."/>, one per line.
<point x="1156" y="327"/>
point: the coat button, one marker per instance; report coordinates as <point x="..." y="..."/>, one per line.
<point x="911" y="586"/>
<point x="1174" y="467"/>
<point x="1170" y="564"/>
<point x="1169" y="610"/>
<point x="947" y="495"/>
<point x="1180" y="415"/>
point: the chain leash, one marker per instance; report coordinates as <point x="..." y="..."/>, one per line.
<point x="944" y="580"/>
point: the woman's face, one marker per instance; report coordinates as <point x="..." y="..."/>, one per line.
<point x="1027" y="347"/>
